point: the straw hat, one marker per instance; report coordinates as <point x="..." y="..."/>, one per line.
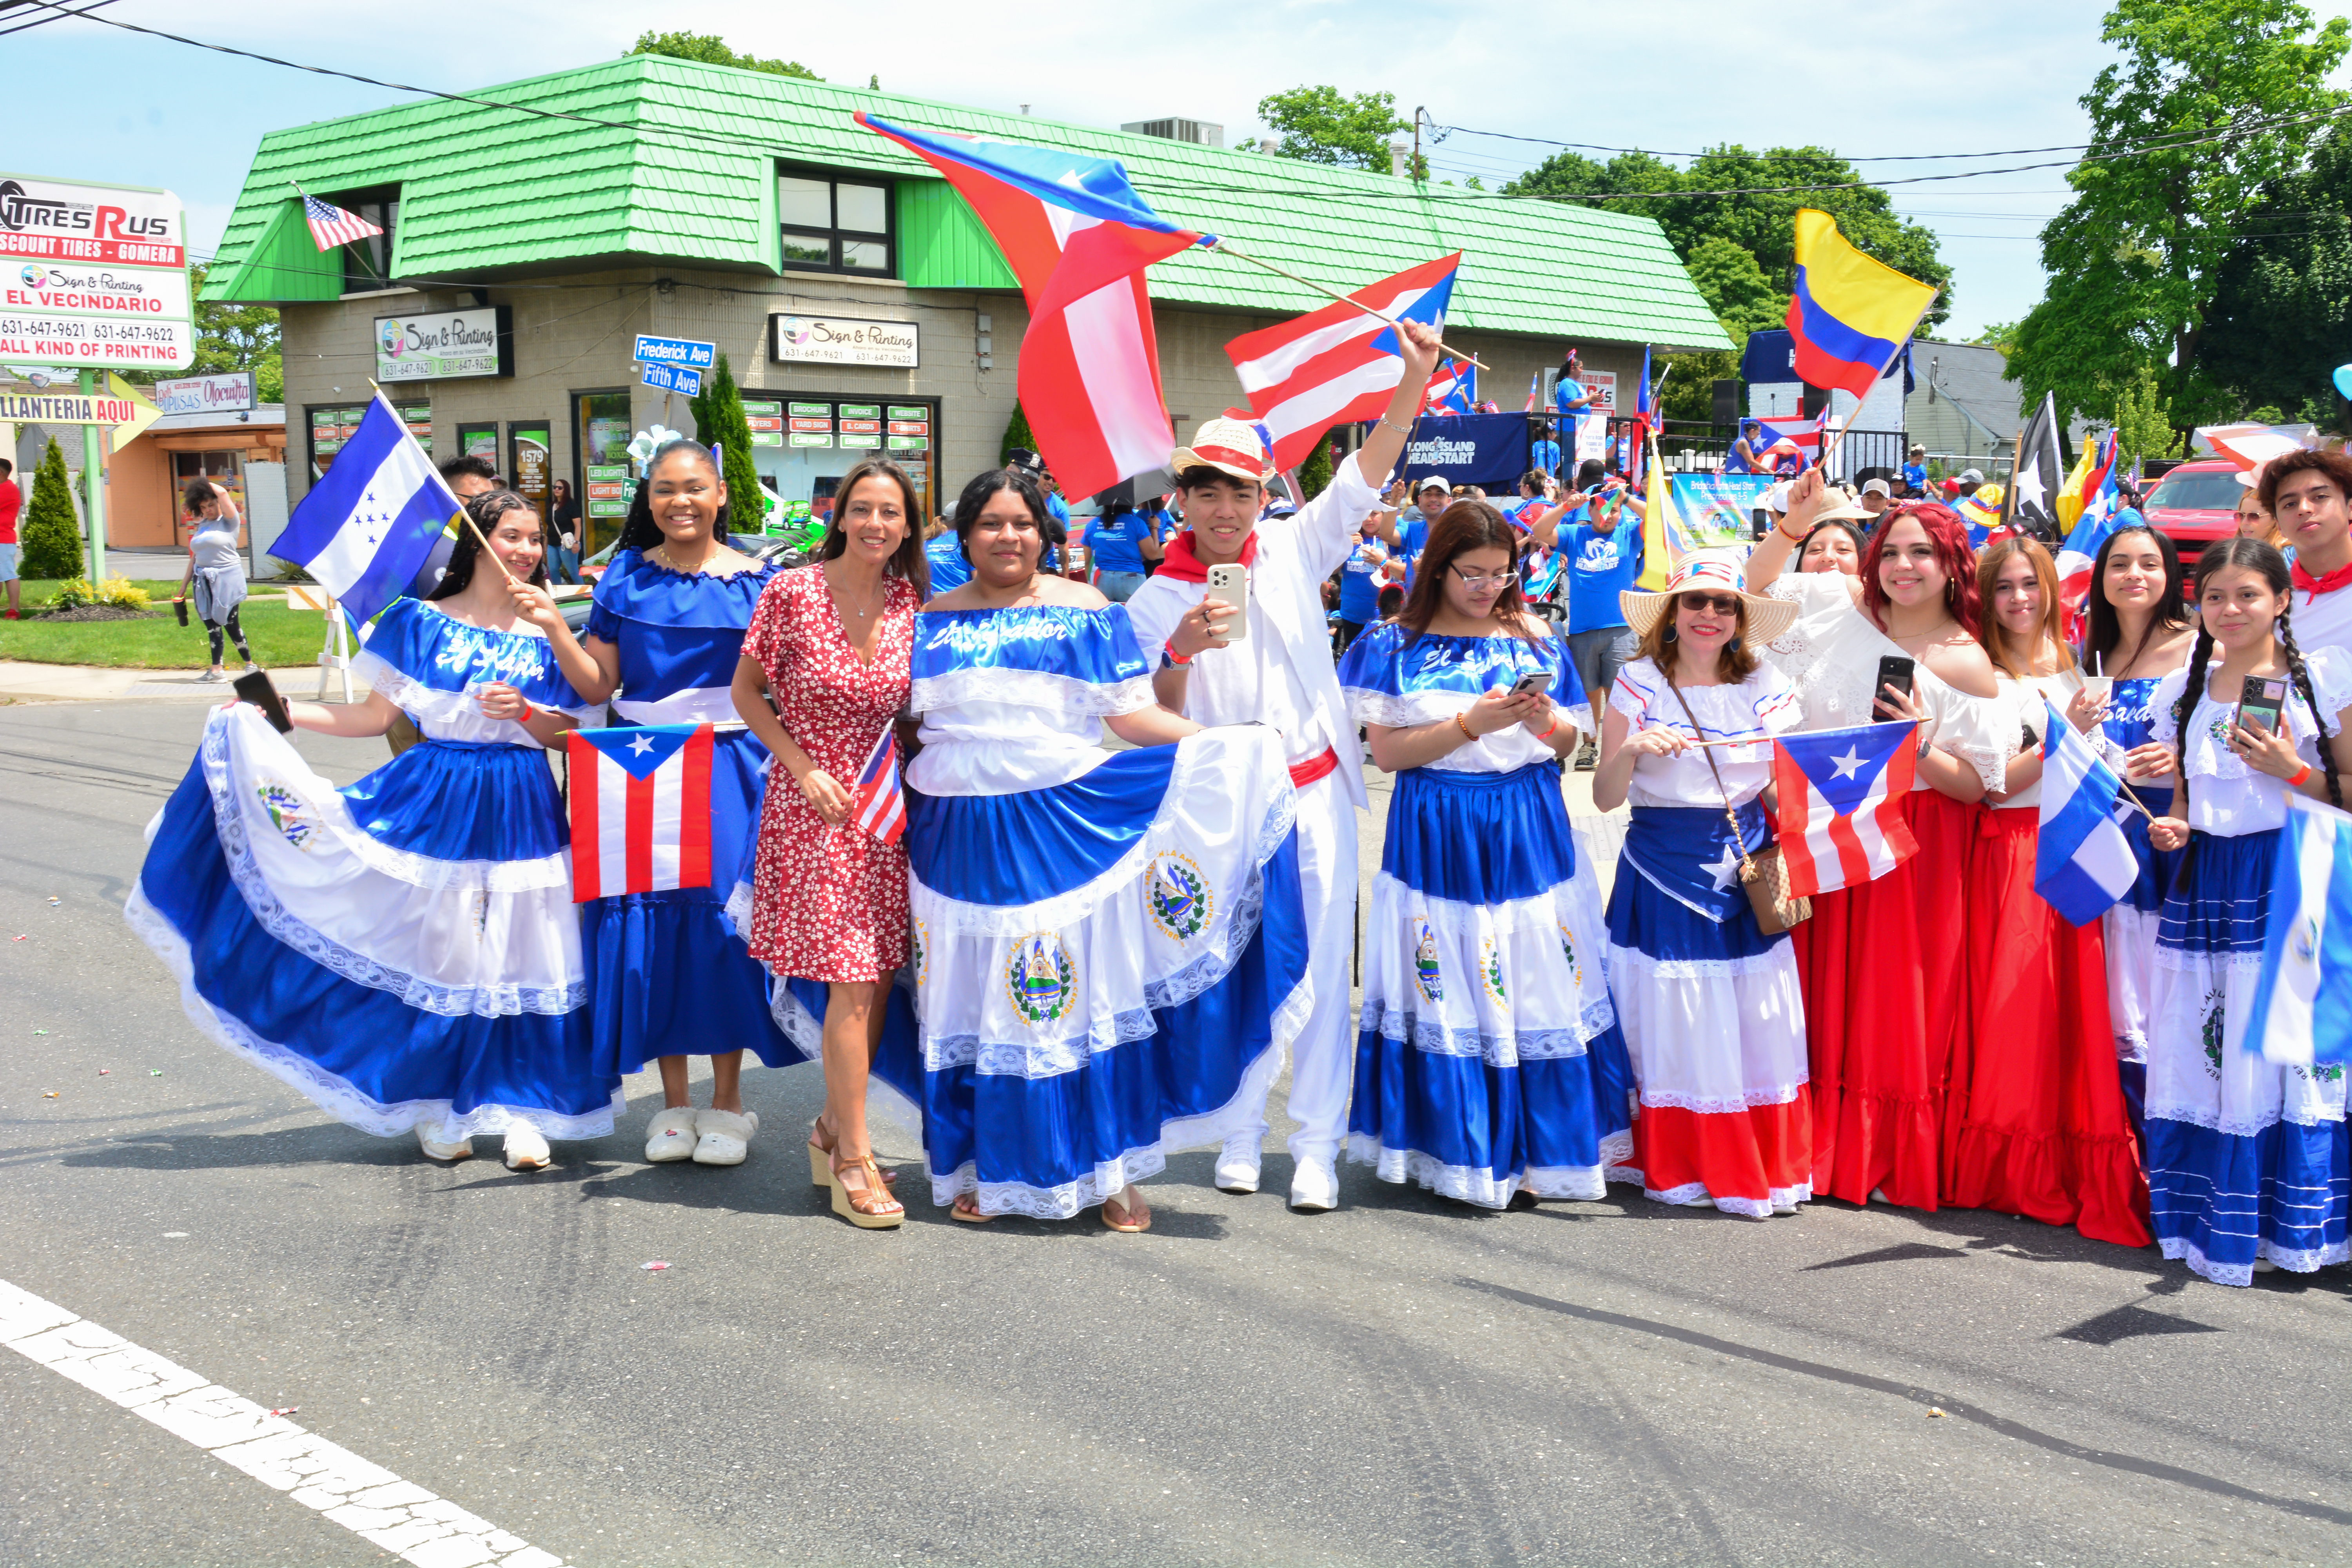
<point x="1229" y="446"/>
<point x="1708" y="571"/>
<point x="1848" y="509"/>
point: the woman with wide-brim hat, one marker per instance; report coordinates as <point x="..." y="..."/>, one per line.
<point x="1712" y="1006"/>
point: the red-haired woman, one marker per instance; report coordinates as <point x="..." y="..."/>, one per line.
<point x="1884" y="964"/>
<point x="2035" y="1122"/>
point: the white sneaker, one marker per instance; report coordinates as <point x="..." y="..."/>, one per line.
<point x="1316" y="1185"/>
<point x="726" y="1136"/>
<point x="526" y="1150"/>
<point x="1238" y="1165"/>
<point x="463" y="1149"/>
<point x="671" y="1135"/>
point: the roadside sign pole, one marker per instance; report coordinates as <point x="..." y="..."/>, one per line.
<point x="93" y="478"/>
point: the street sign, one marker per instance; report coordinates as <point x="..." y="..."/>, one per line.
<point x="685" y="352"/>
<point x="672" y="378"/>
<point x="120" y="407"/>
<point x="94" y="275"/>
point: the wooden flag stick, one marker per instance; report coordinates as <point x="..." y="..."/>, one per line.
<point x="1221" y="248"/>
<point x="472" y="527"/>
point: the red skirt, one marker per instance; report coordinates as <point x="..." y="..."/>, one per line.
<point x="1885" y="971"/>
<point x="2034" y="1122"/>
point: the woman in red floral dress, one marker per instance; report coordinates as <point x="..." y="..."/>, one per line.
<point x="829" y="643"/>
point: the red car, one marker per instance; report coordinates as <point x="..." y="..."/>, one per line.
<point x="2195" y="504"/>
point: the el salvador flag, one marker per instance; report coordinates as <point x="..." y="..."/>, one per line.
<point x="2308" y="946"/>
<point x="2082" y="861"/>
<point x="367" y="526"/>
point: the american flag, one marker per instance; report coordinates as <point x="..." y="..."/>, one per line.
<point x="330" y="226"/>
<point x="879" y="805"/>
<point x="1841" y="813"/>
<point x="640" y="809"/>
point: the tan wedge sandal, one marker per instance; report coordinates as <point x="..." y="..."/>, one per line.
<point x="869" y="1206"/>
<point x="820" y="1150"/>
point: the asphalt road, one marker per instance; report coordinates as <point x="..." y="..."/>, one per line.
<point x="1401" y="1382"/>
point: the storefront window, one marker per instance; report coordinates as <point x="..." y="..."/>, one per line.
<point x="478" y="441"/>
<point x="367" y="263"/>
<point x="530" y="445"/>
<point x="837" y="224"/>
<point x="330" y="427"/>
<point x="599" y="423"/>
<point x="803" y="445"/>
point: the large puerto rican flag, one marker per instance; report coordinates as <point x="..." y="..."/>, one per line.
<point x="1336" y="366"/>
<point x="1078" y="238"/>
<point x="640" y="809"/>
<point x="1841" y="817"/>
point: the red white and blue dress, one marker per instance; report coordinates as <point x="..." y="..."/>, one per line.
<point x="1109" y="955"/>
<point x="674" y="976"/>
<point x="1712" y="1009"/>
<point x="1488" y="1058"/>
<point x="403" y="951"/>
<point x="2247" y="1159"/>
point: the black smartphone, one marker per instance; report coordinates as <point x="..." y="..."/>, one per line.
<point x="257" y="690"/>
<point x="2261" y="701"/>
<point x="1894" y="670"/>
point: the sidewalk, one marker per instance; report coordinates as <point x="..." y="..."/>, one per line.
<point x="22" y="681"/>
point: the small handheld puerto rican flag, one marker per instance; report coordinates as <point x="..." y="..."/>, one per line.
<point x="1841" y="818"/>
<point x="640" y="809"/>
<point x="879" y="806"/>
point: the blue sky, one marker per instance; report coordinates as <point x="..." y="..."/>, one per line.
<point x="1942" y="78"/>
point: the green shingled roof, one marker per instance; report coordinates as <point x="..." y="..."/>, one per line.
<point x="489" y="191"/>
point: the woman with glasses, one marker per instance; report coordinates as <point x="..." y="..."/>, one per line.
<point x="1711" y="1004"/>
<point x="1884" y="963"/>
<point x="1488" y="1060"/>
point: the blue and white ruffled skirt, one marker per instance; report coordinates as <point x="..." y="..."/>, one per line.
<point x="403" y="952"/>
<point x="1104" y="973"/>
<point x="1488" y="1058"/>
<point x="2247" y="1159"/>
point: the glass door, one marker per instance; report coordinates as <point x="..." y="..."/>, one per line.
<point x="599" y="426"/>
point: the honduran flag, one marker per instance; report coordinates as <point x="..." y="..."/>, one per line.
<point x="366" y="527"/>
<point x="2082" y="861"/>
<point x="640" y="809"/>
<point x="1849" y="313"/>
<point x="2306" y="941"/>
<point x="1336" y="366"/>
<point x="1841" y="817"/>
<point x="1078" y="238"/>
<point x="879" y="804"/>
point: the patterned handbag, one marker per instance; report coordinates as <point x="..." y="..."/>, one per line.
<point x="1764" y="873"/>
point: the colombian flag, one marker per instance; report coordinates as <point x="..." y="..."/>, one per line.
<point x="1849" y="313"/>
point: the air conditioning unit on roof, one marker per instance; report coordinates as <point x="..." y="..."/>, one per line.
<point x="1200" y="132"/>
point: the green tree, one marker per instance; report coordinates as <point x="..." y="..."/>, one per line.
<point x="1315" y="472"/>
<point x="2144" y="417"/>
<point x="1735" y="289"/>
<point x="1320" y="125"/>
<point x="2282" y="314"/>
<point x="2002" y="335"/>
<point x="1763" y="225"/>
<point x="1017" y="434"/>
<point x="51" y="534"/>
<point x="230" y="336"/>
<point x="2134" y="260"/>
<point x="712" y="49"/>
<point x="720" y="420"/>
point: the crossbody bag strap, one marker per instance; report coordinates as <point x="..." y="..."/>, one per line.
<point x="1739" y="834"/>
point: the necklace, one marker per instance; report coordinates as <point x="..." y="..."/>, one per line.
<point x="661" y="556"/>
<point x="880" y="598"/>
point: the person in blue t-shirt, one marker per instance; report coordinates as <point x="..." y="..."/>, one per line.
<point x="1604" y="556"/>
<point x="1434" y="496"/>
<point x="1543" y="452"/>
<point x="948" y="567"/>
<point x="1116" y="539"/>
<point x="1369" y="567"/>
<point x="1572" y="401"/>
<point x="1915" y="472"/>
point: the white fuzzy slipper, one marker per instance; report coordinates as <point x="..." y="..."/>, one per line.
<point x="671" y="1135"/>
<point x="435" y="1149"/>
<point x="527" y="1149"/>
<point x="726" y="1136"/>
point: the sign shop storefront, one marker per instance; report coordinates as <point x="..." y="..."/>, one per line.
<point x="837" y="340"/>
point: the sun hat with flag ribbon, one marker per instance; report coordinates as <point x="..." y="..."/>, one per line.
<point x="1708" y="571"/>
<point x="1229" y="444"/>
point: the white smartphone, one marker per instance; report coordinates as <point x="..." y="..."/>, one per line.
<point x="1533" y="680"/>
<point x="1230" y="583"/>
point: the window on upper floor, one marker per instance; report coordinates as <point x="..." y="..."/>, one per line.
<point x="834" y="226"/>
<point x="367" y="263"/>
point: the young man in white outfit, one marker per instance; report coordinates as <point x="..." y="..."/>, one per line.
<point x="1276" y="670"/>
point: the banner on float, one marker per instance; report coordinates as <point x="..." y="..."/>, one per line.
<point x="1716" y="508"/>
<point x="1486" y="449"/>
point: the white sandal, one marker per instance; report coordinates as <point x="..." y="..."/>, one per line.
<point x="671" y="1135"/>
<point x="726" y="1136"/>
<point x="526" y="1150"/>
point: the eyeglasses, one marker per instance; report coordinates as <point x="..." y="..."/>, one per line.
<point x="1476" y="582"/>
<point x="1719" y="603"/>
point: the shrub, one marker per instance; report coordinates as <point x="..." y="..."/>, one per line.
<point x="81" y="592"/>
<point x="50" y="540"/>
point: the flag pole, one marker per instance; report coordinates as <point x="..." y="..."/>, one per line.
<point x="473" y="527"/>
<point x="1220" y="247"/>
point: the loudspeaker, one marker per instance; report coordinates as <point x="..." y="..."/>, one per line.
<point x="1726" y="402"/>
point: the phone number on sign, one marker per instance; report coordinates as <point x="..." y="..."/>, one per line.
<point x="93" y="331"/>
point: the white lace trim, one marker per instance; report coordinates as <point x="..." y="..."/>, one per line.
<point x="1472" y="1184"/>
<point x="1063" y="696"/>
<point x="2200" y="960"/>
<point x="2295" y="1260"/>
<point x="1702" y="1105"/>
<point x="332" y="1094"/>
<point x="433" y="705"/>
<point x="2209" y="1117"/>
<point x="414" y="991"/>
<point x="1695" y="968"/>
<point x="1434" y="1037"/>
<point x="1694" y="1195"/>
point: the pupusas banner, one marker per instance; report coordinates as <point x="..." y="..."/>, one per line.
<point x="1716" y="508"/>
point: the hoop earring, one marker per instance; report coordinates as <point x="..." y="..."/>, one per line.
<point x="1672" y="633"/>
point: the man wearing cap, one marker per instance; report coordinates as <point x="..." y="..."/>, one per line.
<point x="1876" y="497"/>
<point x="1915" y="472"/>
<point x="1272" y="665"/>
<point x="1432" y="497"/>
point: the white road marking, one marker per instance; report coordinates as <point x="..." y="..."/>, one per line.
<point x="364" y="1498"/>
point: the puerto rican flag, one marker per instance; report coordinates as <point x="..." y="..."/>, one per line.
<point x="2080" y="551"/>
<point x="1451" y="389"/>
<point x="877" y="804"/>
<point x="1078" y="238"/>
<point x="1336" y="366"/>
<point x="1841" y="818"/>
<point x="1804" y="434"/>
<point x="640" y="809"/>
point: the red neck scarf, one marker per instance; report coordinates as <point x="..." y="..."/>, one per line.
<point x="1180" y="563"/>
<point x="2318" y="586"/>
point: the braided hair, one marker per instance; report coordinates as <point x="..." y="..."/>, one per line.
<point x="2255" y="555"/>
<point x="2300" y="673"/>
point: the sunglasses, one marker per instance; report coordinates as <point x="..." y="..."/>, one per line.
<point x="1720" y="603"/>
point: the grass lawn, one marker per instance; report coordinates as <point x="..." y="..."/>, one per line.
<point x="277" y="634"/>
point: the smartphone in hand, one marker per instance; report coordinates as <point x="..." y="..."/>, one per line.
<point x="1533" y="680"/>
<point x="257" y="690"/>
<point x="1230" y="584"/>
<point x="2261" y="703"/>
<point x="1895" y="671"/>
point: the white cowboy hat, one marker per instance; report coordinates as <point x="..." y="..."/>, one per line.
<point x="1708" y="570"/>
